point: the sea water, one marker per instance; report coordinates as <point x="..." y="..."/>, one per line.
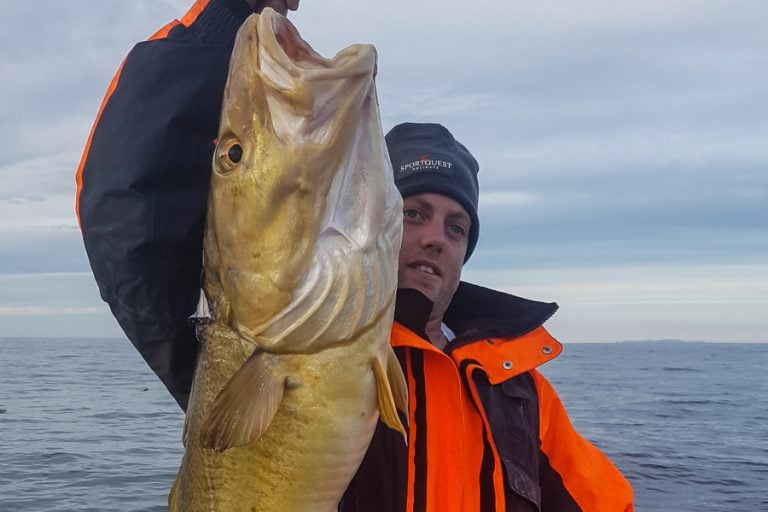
<point x="85" y="425"/>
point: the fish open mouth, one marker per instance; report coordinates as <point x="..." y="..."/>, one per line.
<point x="287" y="37"/>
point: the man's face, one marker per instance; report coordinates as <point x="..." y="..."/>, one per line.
<point x="435" y="235"/>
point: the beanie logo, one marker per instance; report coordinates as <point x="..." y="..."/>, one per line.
<point x="424" y="163"/>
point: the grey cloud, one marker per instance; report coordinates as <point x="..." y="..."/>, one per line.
<point x="39" y="176"/>
<point x="637" y="129"/>
<point x="57" y="61"/>
<point x="50" y="249"/>
<point x="48" y="292"/>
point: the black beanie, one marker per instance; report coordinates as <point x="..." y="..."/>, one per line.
<point x="426" y="158"/>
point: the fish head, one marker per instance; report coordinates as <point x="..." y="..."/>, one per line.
<point x="289" y="118"/>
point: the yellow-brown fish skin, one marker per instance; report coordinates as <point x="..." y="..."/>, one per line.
<point x="301" y="245"/>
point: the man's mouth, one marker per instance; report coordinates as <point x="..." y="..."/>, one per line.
<point x="426" y="268"/>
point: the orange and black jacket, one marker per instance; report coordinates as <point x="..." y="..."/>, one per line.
<point x="142" y="184"/>
<point x="487" y="431"/>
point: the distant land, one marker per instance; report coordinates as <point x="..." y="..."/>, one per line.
<point x="662" y="341"/>
<point x="672" y="341"/>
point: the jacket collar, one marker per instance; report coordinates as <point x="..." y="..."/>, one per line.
<point x="474" y="313"/>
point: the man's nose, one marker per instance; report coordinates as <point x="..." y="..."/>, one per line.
<point x="433" y="236"/>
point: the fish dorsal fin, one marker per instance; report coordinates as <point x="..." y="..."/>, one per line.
<point x="387" y="401"/>
<point x="246" y="405"/>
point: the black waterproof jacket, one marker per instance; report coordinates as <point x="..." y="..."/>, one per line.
<point x="142" y="184"/>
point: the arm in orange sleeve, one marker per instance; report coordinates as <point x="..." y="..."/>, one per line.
<point x="573" y="470"/>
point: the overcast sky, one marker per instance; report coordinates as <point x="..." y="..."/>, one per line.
<point x="623" y="148"/>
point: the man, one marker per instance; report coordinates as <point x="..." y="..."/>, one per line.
<point x="487" y="432"/>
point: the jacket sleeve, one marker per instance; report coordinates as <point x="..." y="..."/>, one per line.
<point x="574" y="474"/>
<point x="142" y="184"/>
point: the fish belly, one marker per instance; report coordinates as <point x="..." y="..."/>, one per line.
<point x="309" y="453"/>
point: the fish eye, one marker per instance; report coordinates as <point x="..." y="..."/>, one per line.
<point x="235" y="153"/>
<point x="229" y="153"/>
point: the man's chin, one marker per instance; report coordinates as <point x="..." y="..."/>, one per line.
<point x="415" y="284"/>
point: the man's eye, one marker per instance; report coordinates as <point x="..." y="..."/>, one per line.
<point x="457" y="230"/>
<point x="411" y="214"/>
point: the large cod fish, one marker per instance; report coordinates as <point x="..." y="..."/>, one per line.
<point x="301" y="247"/>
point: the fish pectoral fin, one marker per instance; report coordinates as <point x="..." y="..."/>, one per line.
<point x="397" y="383"/>
<point x="246" y="405"/>
<point x="387" y="409"/>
